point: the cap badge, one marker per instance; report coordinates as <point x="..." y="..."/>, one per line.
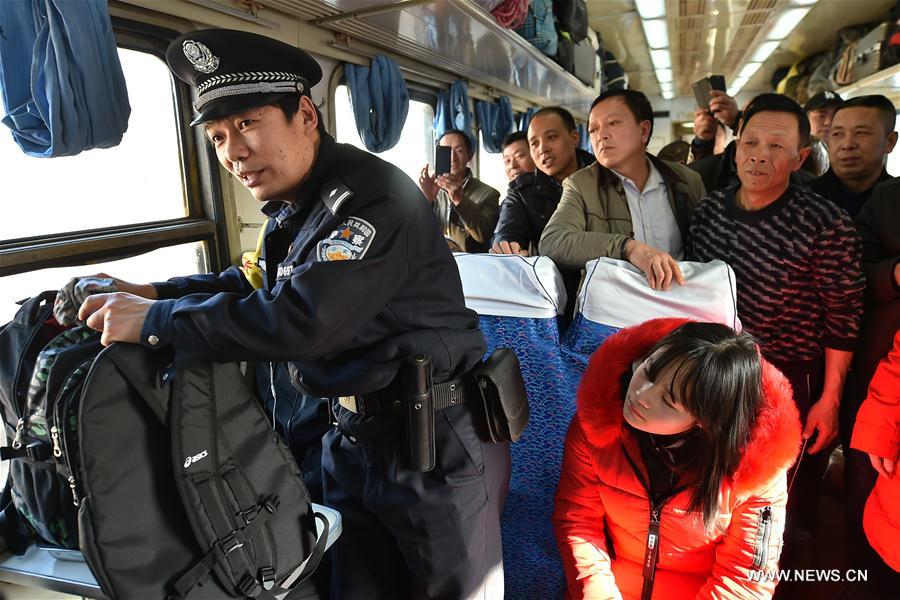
<point x="200" y="56"/>
<point x="829" y="95"/>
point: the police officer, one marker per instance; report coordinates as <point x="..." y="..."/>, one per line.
<point x="357" y="277"/>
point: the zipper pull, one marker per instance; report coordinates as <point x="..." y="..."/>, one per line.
<point x="20" y="430"/>
<point x="651" y="555"/>
<point x="75" y="499"/>
<point x="54" y="435"/>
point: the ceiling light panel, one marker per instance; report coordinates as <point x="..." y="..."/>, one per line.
<point x="661" y="59"/>
<point x="650" y="9"/>
<point x="657" y="33"/>
<point x="764" y="51"/>
<point x="786" y="22"/>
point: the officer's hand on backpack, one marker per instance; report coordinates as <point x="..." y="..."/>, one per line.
<point x="119" y="316"/>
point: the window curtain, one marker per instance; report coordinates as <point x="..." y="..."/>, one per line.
<point x="380" y="102"/>
<point x="525" y="119"/>
<point x="584" y="140"/>
<point x="61" y="81"/>
<point x="453" y="112"/>
<point x="496" y="121"/>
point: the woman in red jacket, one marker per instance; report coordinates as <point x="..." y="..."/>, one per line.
<point x="877" y="433"/>
<point x="674" y="477"/>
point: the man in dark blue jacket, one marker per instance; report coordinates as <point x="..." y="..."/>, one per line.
<point x="356" y="278"/>
<point x="533" y="196"/>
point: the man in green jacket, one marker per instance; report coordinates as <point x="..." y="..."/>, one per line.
<point x="466" y="208"/>
<point x="629" y="205"/>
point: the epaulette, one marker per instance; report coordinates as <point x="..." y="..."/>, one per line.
<point x="334" y="194"/>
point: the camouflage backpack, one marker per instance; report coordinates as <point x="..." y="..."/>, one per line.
<point x="40" y="383"/>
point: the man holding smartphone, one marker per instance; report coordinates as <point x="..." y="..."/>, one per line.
<point x="716" y="110"/>
<point x="466" y="208"/>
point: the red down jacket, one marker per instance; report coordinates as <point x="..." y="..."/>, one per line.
<point x="601" y="503"/>
<point x="877" y="431"/>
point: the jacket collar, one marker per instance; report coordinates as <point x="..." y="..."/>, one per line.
<point x="321" y="171"/>
<point x="830" y="182"/>
<point x="584" y="158"/>
<point x="775" y="439"/>
<point x="606" y="176"/>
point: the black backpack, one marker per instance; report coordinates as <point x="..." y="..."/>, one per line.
<point x="177" y="482"/>
<point x="34" y="369"/>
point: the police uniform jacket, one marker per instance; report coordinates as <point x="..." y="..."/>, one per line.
<point x="357" y="275"/>
<point x="593" y="219"/>
<point x="530" y="201"/>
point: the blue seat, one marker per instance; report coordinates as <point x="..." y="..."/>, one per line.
<point x="519" y="301"/>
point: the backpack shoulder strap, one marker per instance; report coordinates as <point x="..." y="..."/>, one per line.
<point x="223" y="510"/>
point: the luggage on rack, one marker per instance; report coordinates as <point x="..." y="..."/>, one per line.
<point x="539" y="28"/>
<point x="174" y="480"/>
<point x="565" y="51"/>
<point x="614" y="76"/>
<point x="867" y="55"/>
<point x="571" y="16"/>
<point x="585" y="62"/>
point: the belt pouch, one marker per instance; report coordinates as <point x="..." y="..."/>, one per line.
<point x="419" y="414"/>
<point x="503" y="395"/>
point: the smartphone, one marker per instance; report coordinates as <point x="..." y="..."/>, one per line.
<point x="441" y="160"/>
<point x="703" y="88"/>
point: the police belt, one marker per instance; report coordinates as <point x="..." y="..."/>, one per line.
<point x="391" y="398"/>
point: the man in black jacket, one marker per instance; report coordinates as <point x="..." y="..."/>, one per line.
<point x="532" y="197"/>
<point x="862" y="135"/>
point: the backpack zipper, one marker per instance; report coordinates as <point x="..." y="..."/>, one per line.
<point x="763" y="533"/>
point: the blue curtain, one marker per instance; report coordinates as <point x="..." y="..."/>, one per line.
<point x="453" y="112"/>
<point x="62" y="85"/>
<point x="584" y="140"/>
<point x="525" y="119"/>
<point x="496" y="121"/>
<point x="380" y="102"/>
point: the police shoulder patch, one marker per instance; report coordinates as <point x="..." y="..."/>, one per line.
<point x="350" y="241"/>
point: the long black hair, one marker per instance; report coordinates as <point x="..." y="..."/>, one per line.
<point x="717" y="377"/>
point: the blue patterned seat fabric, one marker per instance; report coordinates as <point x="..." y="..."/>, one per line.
<point x="531" y="562"/>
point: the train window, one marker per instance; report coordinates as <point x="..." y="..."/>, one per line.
<point x="158" y="265"/>
<point x="138" y="181"/>
<point x="415" y="146"/>
<point x="490" y="168"/>
<point x="143" y="210"/>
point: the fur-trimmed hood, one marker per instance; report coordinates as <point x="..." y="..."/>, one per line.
<point x="775" y="438"/>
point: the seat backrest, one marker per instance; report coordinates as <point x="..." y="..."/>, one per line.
<point x="519" y="300"/>
<point x="615" y="294"/>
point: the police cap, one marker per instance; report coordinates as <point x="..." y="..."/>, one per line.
<point x="236" y="70"/>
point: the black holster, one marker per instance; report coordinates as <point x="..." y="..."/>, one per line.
<point x="419" y="413"/>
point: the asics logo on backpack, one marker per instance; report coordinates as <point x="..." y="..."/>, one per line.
<point x="192" y="459"/>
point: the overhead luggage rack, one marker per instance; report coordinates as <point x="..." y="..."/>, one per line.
<point x="453" y="35"/>
<point x="886" y="82"/>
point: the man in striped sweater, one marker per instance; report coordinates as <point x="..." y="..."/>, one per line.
<point x="796" y="257"/>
